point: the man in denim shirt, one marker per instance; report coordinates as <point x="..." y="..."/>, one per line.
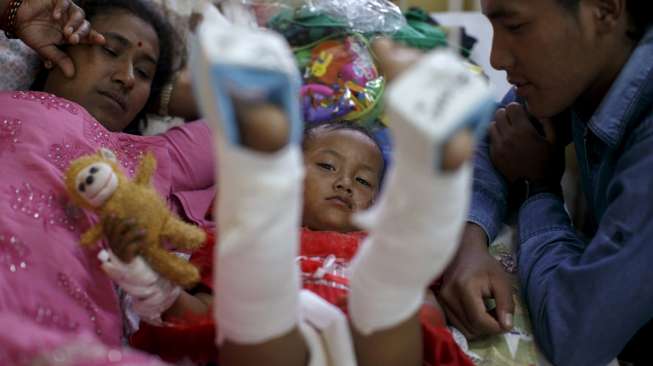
<point x="583" y="68"/>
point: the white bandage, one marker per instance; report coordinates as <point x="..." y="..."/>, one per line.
<point x="415" y="227"/>
<point x="328" y="338"/>
<point x="318" y="355"/>
<point x="433" y="100"/>
<point x="259" y="210"/>
<point x="238" y="13"/>
<point x="151" y="294"/>
<point x="412" y="238"/>
<point x="259" y="194"/>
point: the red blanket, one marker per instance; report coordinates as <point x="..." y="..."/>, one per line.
<point x="324" y="257"/>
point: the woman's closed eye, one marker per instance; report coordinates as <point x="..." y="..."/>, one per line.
<point x="143" y="74"/>
<point x="109" y="51"/>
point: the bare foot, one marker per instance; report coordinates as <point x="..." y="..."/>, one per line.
<point x="263" y="127"/>
<point x="459" y="149"/>
<point x="393" y="59"/>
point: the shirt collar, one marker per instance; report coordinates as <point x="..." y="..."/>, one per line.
<point x="629" y="96"/>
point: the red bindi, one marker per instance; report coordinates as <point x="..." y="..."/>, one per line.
<point x="140" y="44"/>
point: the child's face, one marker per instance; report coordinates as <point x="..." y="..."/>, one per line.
<point x="343" y="172"/>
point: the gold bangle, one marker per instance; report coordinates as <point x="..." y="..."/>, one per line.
<point x="9" y="18"/>
<point x="166" y="95"/>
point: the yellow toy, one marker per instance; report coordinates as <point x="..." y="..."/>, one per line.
<point x="96" y="182"/>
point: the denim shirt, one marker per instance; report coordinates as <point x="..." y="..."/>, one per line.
<point x="588" y="298"/>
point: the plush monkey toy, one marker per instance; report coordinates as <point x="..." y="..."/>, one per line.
<point x="96" y="182"/>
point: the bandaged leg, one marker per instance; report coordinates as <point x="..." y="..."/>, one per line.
<point x="247" y="83"/>
<point x="257" y="279"/>
<point x="325" y="329"/>
<point x="414" y="229"/>
<point x="315" y="344"/>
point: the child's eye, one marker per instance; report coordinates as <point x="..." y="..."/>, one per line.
<point x="363" y="182"/>
<point x="326" y="166"/>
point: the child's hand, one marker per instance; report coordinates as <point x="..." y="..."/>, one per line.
<point x="124" y="237"/>
<point x="151" y="293"/>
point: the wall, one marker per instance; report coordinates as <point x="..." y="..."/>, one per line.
<point x="440" y="5"/>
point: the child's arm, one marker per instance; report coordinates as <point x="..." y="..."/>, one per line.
<point x="198" y="304"/>
<point x="124" y="239"/>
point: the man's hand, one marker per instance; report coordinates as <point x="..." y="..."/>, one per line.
<point x="471" y="278"/>
<point x="44" y="25"/>
<point x="519" y="151"/>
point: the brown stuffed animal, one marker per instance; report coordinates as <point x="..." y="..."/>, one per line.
<point x="96" y="182"/>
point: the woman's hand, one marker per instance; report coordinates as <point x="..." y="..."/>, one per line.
<point x="124" y="237"/>
<point x="45" y="25"/>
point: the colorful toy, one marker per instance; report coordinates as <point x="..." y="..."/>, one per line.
<point x="96" y="182"/>
<point x="341" y="80"/>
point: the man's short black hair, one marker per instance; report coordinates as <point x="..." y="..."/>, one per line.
<point x="639" y="11"/>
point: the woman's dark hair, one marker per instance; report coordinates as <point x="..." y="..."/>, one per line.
<point x="640" y="12"/>
<point x="166" y="35"/>
<point x="371" y="133"/>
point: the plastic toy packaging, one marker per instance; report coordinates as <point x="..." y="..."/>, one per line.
<point x="363" y="16"/>
<point x="340" y="80"/>
<point x="330" y="40"/>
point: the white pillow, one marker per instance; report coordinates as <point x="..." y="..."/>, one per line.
<point x="18" y="64"/>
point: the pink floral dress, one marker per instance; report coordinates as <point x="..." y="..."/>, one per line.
<point x="56" y="305"/>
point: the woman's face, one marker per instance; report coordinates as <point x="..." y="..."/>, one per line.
<point x="112" y="81"/>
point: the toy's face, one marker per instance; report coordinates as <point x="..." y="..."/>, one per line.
<point x="96" y="183"/>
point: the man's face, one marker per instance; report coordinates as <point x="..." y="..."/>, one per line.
<point x="112" y="81"/>
<point x="547" y="50"/>
<point x="343" y="170"/>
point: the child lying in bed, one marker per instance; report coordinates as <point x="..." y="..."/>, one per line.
<point x="343" y="166"/>
<point x="262" y="316"/>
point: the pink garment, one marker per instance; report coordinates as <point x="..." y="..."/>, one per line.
<point x="53" y="294"/>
